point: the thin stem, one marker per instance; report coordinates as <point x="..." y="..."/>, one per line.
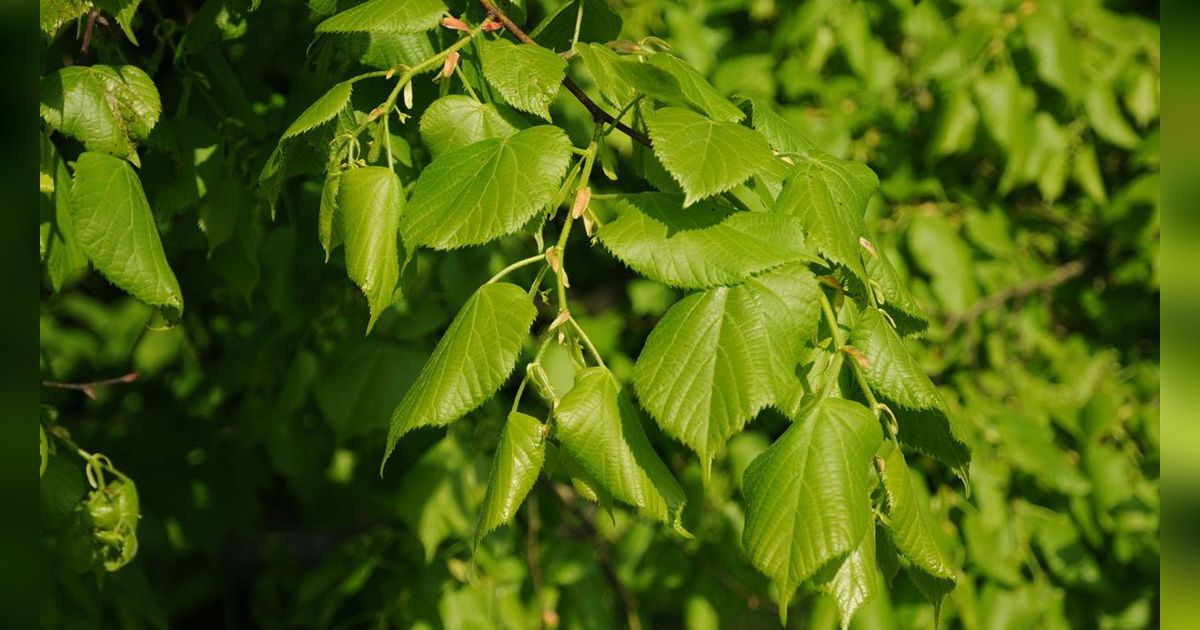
<point x="387" y="141"/>
<point x="89" y="389"/>
<point x="598" y="114"/>
<point x="517" y="265"/>
<point x="859" y="377"/>
<point x="587" y="342"/>
<point x="585" y="174"/>
<point x="462" y="76"/>
<point x="624" y="110"/>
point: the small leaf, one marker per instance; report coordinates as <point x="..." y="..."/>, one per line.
<point x="600" y="23"/>
<point x="600" y="428"/>
<point x="472" y="360"/>
<point x="705" y="156"/>
<point x="718" y="357"/>
<point x="926" y="424"/>
<point x="830" y="196"/>
<point x="115" y="229"/>
<point x="526" y="75"/>
<point x="697" y="90"/>
<point x="456" y="121"/>
<point x="107" y="108"/>
<point x="515" y="469"/>
<point x="940" y="252"/>
<point x="64" y="258"/>
<point x="370" y="203"/>
<point x="434" y="497"/>
<point x="322" y="110"/>
<point x="898" y="302"/>
<point x="123" y="11"/>
<point x="1106" y="118"/>
<point x="602" y="63"/>
<point x="807" y="504"/>
<point x="782" y="135"/>
<point x="329" y="229"/>
<point x="409" y="16"/>
<point x="704" y="246"/>
<point x="910" y="530"/>
<point x="486" y="190"/>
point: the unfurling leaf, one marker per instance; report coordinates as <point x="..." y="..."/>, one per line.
<point x="718" y="357"/>
<point x="370" y="204"/>
<point x="470" y="363"/>
<point x="515" y="468"/>
<point x="600" y="428"/>
<point x="116" y="231"/>
<point x="807" y="504"/>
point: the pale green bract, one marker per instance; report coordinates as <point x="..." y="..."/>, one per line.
<point x="370" y="204"/>
<point x="486" y="190"/>
<point x="456" y="121"/>
<point x="807" y="504"/>
<point x="515" y="469"/>
<point x="909" y="528"/>
<point x="470" y="363"/>
<point x="526" y="75"/>
<point x="926" y="424"/>
<point x="703" y="246"/>
<point x="322" y="110"/>
<point x="705" y="156"/>
<point x="600" y="428"/>
<point x="718" y="357"/>
<point x="115" y="229"/>
<point x="107" y="108"/>
<point x="830" y="196"/>
<point x="397" y="16"/>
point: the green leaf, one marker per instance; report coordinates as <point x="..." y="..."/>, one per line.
<point x="60" y="490"/>
<point x="910" y="530"/>
<point x="897" y="301"/>
<point x="515" y="469"/>
<point x="483" y="191"/>
<point x="782" y="135"/>
<point x="926" y="424"/>
<point x="856" y="581"/>
<point x="600" y="428"/>
<point x="599" y="23"/>
<point x="115" y="229"/>
<point x="705" y="156"/>
<point x="362" y="382"/>
<point x="434" y="498"/>
<point x="409" y="16"/>
<point x="526" y="75"/>
<point x="123" y="11"/>
<point x="329" y="229"/>
<point x="107" y="108"/>
<point x="704" y="246"/>
<point x="697" y="90"/>
<point x="322" y="110"/>
<point x="1106" y="118"/>
<point x="472" y="360"/>
<point x="940" y="252"/>
<point x="64" y="259"/>
<point x="456" y="121"/>
<point x="602" y="63"/>
<point x="830" y="196"/>
<point x="370" y="204"/>
<point x="807" y="504"/>
<point x="643" y="78"/>
<point x="55" y="13"/>
<point x="718" y="357"/>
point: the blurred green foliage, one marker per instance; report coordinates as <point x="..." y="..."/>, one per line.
<point x="1018" y="152"/>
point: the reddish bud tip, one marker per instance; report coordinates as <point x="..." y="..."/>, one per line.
<point x="455" y="23"/>
<point x="492" y="27"/>
<point x="451" y="64"/>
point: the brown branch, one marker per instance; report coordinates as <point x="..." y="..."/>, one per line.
<point x="1055" y="278"/>
<point x="599" y="116"/>
<point x="89" y="389"/>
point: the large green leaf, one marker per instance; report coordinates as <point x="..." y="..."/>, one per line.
<point x="526" y="75"/>
<point x="515" y="468"/>
<point x="830" y="196"/>
<point x="107" y="108"/>
<point x="718" y="357"/>
<point x="470" y="363"/>
<point x="370" y="204"/>
<point x="807" y="503"/>
<point x="599" y="426"/>
<point x="115" y="229"/>
<point x="705" y="156"/>
<point x="697" y="90"/>
<point x="910" y="530"/>
<point x="322" y="110"/>
<point x="408" y="16"/>
<point x="480" y="192"/>
<point x="703" y="246"/>
<point x="455" y="121"/>
<point x="926" y="424"/>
